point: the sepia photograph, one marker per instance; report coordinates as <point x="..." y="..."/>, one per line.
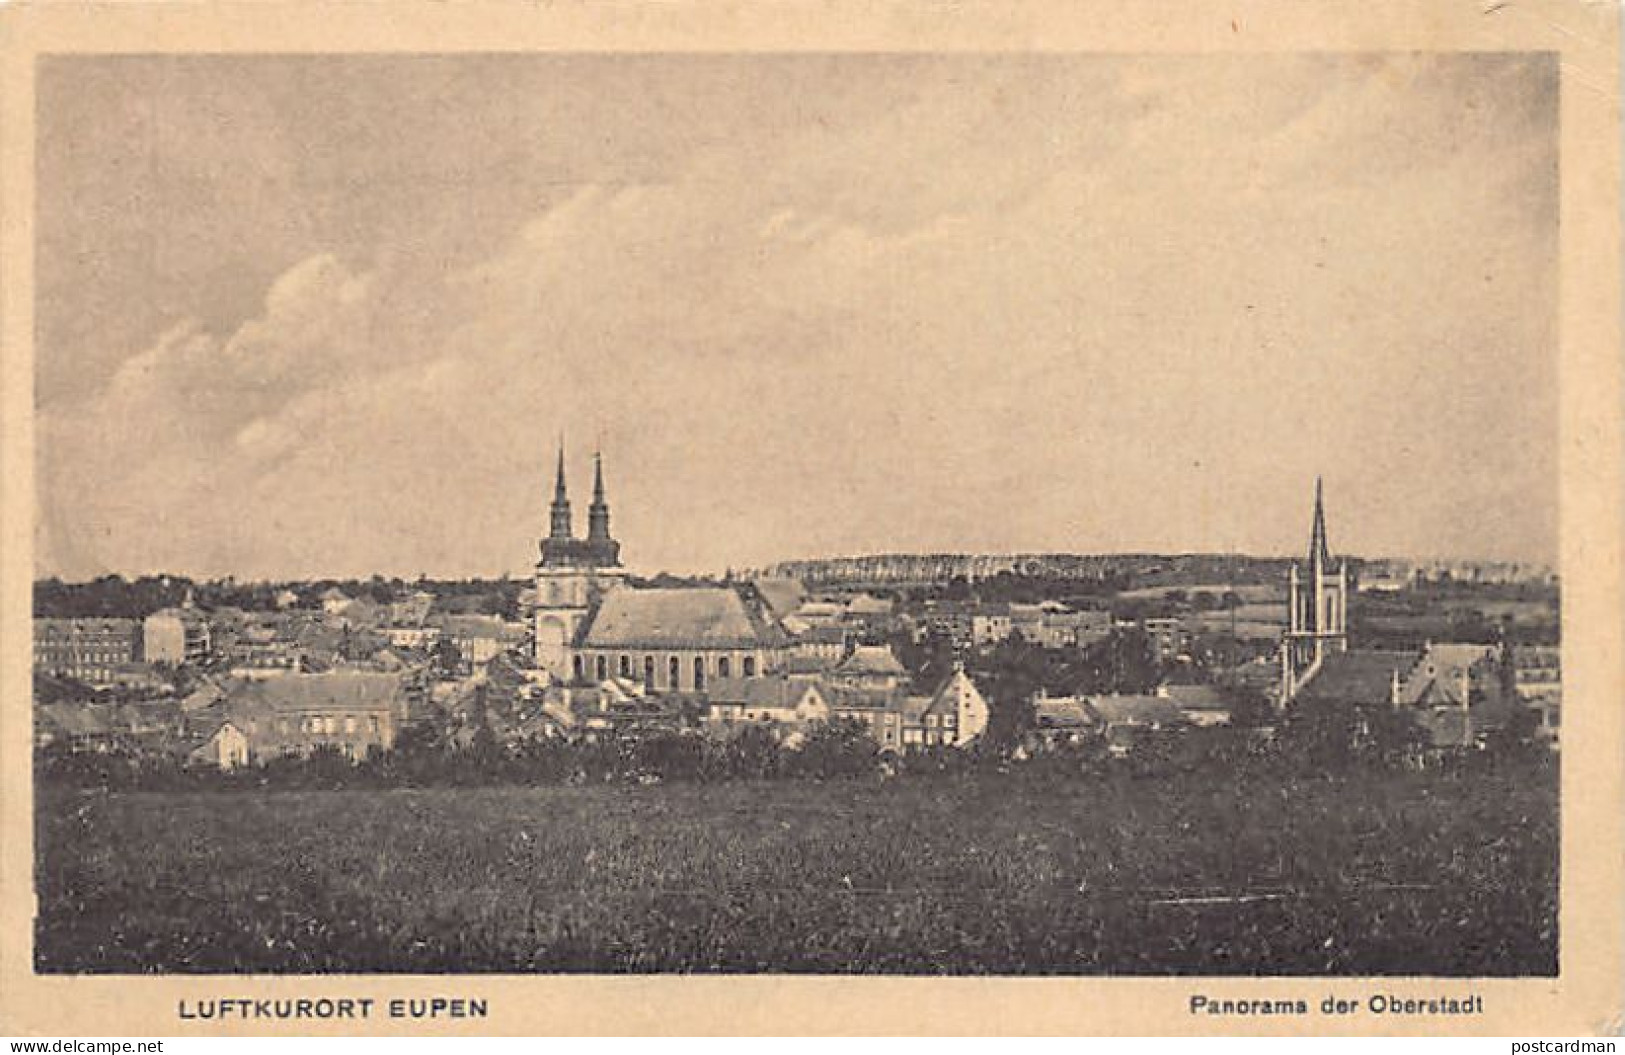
<point x="912" y="514"/>
<point x="868" y="513"/>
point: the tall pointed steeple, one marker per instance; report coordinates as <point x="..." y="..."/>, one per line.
<point x="562" y="527"/>
<point x="1320" y="554"/>
<point x="598" y="512"/>
<point x="1317" y="608"/>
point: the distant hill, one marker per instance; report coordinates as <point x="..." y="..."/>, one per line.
<point x="1136" y="570"/>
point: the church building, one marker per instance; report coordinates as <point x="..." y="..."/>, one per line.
<point x="591" y="625"/>
<point x="1317" y="610"/>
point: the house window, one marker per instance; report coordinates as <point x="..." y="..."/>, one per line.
<point x="349" y="723"/>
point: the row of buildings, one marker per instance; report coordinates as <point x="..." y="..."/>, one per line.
<point x="113" y="651"/>
<point x="598" y="652"/>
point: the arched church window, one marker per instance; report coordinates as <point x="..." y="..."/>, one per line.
<point x="750" y="666"/>
<point x="648" y="672"/>
<point x="674" y="669"/>
<point x="699" y="673"/>
<point x="603" y="668"/>
<point x="575" y="665"/>
<point x="723" y="669"/>
<point x="626" y="666"/>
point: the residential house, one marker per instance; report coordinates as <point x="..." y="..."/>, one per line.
<point x="225" y="748"/>
<point x="776" y="699"/>
<point x="348" y="710"/>
<point x="1166" y="636"/>
<point x="873" y="668"/>
<point x="990" y="624"/>
<point x="175" y="636"/>
<point x="479" y="638"/>
<point x="826" y="644"/>
<point x="952" y="621"/>
<point x="1538" y="672"/>
<point x="953" y="716"/>
<point x="335" y="601"/>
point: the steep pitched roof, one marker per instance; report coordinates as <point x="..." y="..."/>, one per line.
<point x="955" y="688"/>
<point x="67" y="719"/>
<point x="872" y="660"/>
<point x="914" y="707"/>
<point x="868" y="604"/>
<point x="701" y="617"/>
<point x="355" y="690"/>
<point x="782" y="596"/>
<point x="760" y="692"/>
<point x="1357" y="676"/>
<point x="852" y="698"/>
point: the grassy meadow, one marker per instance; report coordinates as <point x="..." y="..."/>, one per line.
<point x="966" y="874"/>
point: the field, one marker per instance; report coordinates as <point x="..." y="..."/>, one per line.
<point x="991" y="873"/>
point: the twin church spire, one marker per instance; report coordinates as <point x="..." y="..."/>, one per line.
<point x="561" y="547"/>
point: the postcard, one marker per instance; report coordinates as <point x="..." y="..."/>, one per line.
<point x="874" y="518"/>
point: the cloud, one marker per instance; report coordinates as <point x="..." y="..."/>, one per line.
<point x="1022" y="308"/>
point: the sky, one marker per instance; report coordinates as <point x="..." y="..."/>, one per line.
<point x="330" y="315"/>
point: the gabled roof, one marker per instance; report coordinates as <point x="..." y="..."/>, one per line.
<point x="68" y="719"/>
<point x="1435" y="679"/>
<point x="782" y="693"/>
<point x="914" y="707"/>
<point x="700" y="617"/>
<point x="869" y="660"/>
<point x="782" y="596"/>
<point x="851" y="698"/>
<point x="955" y="688"/>
<point x="352" y="690"/>
<point x="868" y="604"/>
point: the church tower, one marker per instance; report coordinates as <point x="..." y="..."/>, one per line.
<point x="562" y="529"/>
<point x="606" y="552"/>
<point x="572" y="574"/>
<point x="1317" y="609"/>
